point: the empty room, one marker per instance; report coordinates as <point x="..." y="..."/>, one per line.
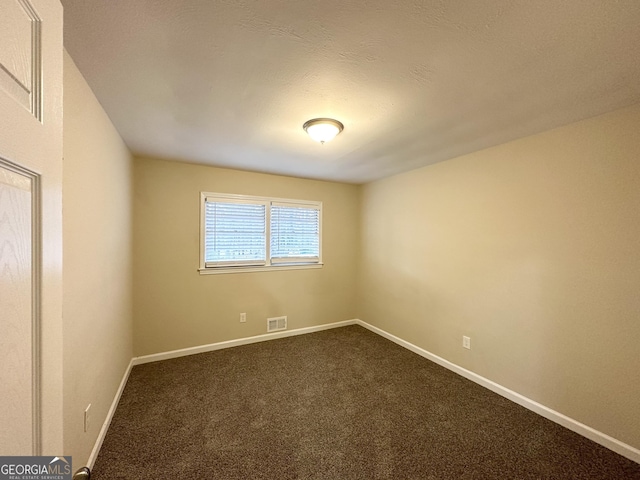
<point x="321" y="240"/>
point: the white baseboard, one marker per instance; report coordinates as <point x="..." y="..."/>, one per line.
<point x="586" y="431"/>
<point x="107" y="421"/>
<point x="156" y="357"/>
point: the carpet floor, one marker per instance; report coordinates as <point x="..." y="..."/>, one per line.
<point x="337" y="404"/>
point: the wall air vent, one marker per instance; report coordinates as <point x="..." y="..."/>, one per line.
<point x="276" y="323"/>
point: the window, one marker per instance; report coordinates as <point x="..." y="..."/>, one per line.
<point x="245" y="233"/>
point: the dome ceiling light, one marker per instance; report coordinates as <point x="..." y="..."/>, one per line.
<point x="323" y="129"/>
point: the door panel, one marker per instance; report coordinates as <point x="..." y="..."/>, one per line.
<point x="17" y="342"/>
<point x="20" y="54"/>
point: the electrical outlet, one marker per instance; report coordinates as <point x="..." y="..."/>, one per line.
<point x="243" y="317"/>
<point x="466" y="342"/>
<point x="86" y="417"/>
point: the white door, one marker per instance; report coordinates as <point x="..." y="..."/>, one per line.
<point x="30" y="227"/>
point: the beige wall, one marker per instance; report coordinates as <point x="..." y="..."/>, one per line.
<point x="176" y="307"/>
<point x="97" y="304"/>
<point x="530" y="248"/>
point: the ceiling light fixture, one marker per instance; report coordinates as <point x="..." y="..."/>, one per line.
<point x="323" y="129"/>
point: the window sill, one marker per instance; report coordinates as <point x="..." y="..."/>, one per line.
<point x="270" y="268"/>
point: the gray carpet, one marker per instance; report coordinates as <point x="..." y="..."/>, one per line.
<point x="338" y="404"/>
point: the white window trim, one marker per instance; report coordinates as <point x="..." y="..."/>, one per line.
<point x="268" y="266"/>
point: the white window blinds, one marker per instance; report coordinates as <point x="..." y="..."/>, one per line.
<point x="241" y="232"/>
<point x="235" y="233"/>
<point x="295" y="233"/>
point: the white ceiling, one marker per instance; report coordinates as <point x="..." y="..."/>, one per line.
<point x="230" y="82"/>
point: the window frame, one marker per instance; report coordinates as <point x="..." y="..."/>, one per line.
<point x="268" y="202"/>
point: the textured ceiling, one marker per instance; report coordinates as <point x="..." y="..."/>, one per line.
<point x="230" y="82"/>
